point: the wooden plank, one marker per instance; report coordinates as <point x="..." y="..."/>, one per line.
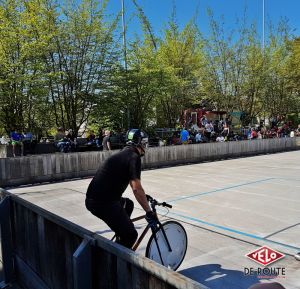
<point x="82" y="265"/>
<point x="27" y="277"/>
<point x="55" y="236"/>
<point x="60" y="245"/>
<point x="140" y="279"/>
<point x="71" y="165"/>
<point x="42" y="248"/>
<point x="124" y="274"/>
<point x="155" y="283"/>
<point x="104" y="269"/>
<point x="170" y="277"/>
<point x="30" y="228"/>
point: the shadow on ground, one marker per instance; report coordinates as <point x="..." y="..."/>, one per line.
<point x="215" y="277"/>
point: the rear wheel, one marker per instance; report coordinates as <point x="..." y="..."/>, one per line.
<point x="177" y="238"/>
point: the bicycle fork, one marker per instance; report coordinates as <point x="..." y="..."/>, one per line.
<point x="166" y="239"/>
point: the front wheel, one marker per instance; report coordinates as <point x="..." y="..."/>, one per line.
<point x="177" y="238"/>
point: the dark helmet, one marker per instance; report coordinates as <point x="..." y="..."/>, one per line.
<point x="136" y="137"/>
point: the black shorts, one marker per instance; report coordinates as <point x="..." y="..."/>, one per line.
<point x="117" y="216"/>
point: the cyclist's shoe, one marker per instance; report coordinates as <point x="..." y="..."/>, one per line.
<point x="297" y="256"/>
<point x="152" y="220"/>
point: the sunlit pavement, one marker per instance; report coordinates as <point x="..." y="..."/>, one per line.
<point x="228" y="208"/>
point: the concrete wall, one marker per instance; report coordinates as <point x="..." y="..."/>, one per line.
<point x="59" y="166"/>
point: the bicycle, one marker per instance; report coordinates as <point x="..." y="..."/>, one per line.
<point x="167" y="244"/>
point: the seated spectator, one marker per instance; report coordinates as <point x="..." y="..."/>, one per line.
<point x="29" y="142"/>
<point x="61" y="140"/>
<point x="91" y="138"/>
<point x="298" y="130"/>
<point x="259" y="135"/>
<point x="17" y="140"/>
<point x="225" y="131"/>
<point x="184" y="136"/>
<point x="4" y="140"/>
<point x="220" y="138"/>
<point x="59" y="136"/>
<point x="72" y="139"/>
<point x="253" y="134"/>
<point x="209" y="128"/>
<point x="191" y="137"/>
<point x="199" y="137"/>
<point x="204" y="120"/>
<point x="175" y="139"/>
<point x="292" y="133"/>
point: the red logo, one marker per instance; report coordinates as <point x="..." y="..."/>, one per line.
<point x="265" y="255"/>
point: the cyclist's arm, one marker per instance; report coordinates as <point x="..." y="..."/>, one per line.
<point x="139" y="194"/>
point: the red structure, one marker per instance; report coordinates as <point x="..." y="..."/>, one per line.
<point x="192" y="116"/>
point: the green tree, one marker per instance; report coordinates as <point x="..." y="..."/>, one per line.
<point x="23" y="96"/>
<point x="179" y="57"/>
<point x="279" y="98"/>
<point x="78" y="59"/>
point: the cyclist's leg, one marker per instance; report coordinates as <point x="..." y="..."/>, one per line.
<point x="115" y="216"/>
<point x="118" y="220"/>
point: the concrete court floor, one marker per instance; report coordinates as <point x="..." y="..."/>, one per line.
<point x="228" y="209"/>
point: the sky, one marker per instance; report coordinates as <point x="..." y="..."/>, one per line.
<point x="158" y="12"/>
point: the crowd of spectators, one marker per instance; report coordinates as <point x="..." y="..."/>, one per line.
<point x="221" y="131"/>
<point x="209" y="131"/>
<point x="25" y="140"/>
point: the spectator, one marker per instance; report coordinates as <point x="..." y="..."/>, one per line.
<point x="220" y="138"/>
<point x="259" y="135"/>
<point x="28" y="142"/>
<point x="60" y="140"/>
<point x="225" y="131"/>
<point x="199" y="137"/>
<point x="4" y="140"/>
<point x="99" y="139"/>
<point x="204" y="121"/>
<point x="71" y="139"/>
<point x="184" y="136"/>
<point x="106" y="143"/>
<point x="292" y="133"/>
<point x="91" y="138"/>
<point x="298" y="130"/>
<point x="253" y="133"/>
<point x="59" y="136"/>
<point x="175" y="139"/>
<point x="17" y="140"/>
<point x="209" y="128"/>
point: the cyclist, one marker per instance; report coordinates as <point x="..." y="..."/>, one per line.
<point x="104" y="195"/>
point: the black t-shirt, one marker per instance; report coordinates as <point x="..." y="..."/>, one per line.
<point x="113" y="176"/>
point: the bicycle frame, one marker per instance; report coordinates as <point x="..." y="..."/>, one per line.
<point x="138" y="242"/>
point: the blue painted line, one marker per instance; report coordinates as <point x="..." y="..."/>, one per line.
<point x="234" y="231"/>
<point x="288" y="179"/>
<point x="219" y="190"/>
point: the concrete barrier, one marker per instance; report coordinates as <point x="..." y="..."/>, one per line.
<point x="59" y="166"/>
<point x="44" y="251"/>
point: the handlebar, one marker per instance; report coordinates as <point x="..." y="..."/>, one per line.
<point x="155" y="203"/>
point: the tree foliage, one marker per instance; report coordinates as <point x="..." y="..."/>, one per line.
<point x="63" y="65"/>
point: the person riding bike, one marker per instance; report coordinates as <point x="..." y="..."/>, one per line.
<point x="104" y="194"/>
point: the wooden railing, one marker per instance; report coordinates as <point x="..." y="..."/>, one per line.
<point x="41" y="250"/>
<point x="59" y="166"/>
